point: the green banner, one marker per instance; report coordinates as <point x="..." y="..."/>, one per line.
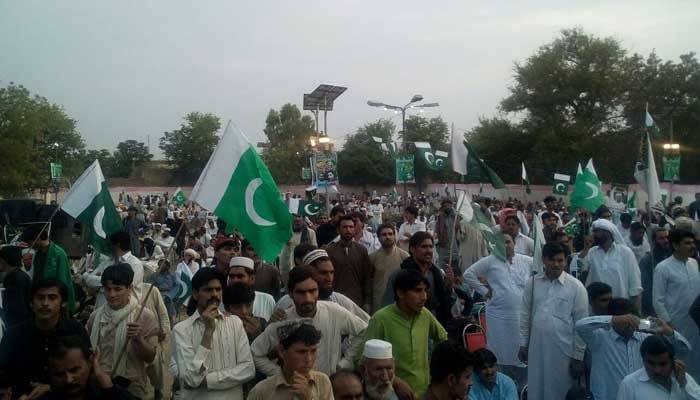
<point x="404" y="170"/>
<point x="672" y="167"/>
<point x="305" y="173"/>
<point x="326" y="166"/>
<point x="56" y="170"/>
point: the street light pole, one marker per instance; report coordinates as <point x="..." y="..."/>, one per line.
<point x="416" y="98"/>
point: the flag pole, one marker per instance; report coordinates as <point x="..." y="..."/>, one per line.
<point x="143" y="302"/>
<point x="454" y="229"/>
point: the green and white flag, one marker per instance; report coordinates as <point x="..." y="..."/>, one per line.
<point x="238" y="188"/>
<point x="425" y="152"/>
<point x="304" y="208"/>
<point x="89" y="202"/>
<point x="495" y="244"/>
<point x="185" y="290"/>
<point x="523" y="176"/>
<point x="651" y="126"/>
<point x="645" y="172"/>
<point x="441" y="160"/>
<point x="561" y="184"/>
<point x="179" y="197"/>
<point x="388" y="147"/>
<point x="587" y="192"/>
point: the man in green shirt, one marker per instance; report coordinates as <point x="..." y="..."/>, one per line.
<point x="50" y="261"/>
<point x="410" y="328"/>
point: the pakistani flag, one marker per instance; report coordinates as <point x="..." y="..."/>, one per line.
<point x="651" y="126"/>
<point x="304" y="208"/>
<point x="237" y="186"/>
<point x="479" y="171"/>
<point x="388" y="147"/>
<point x="179" y="197"/>
<point x="645" y="172"/>
<point x="89" y="202"/>
<point x="496" y="245"/>
<point x="587" y="192"/>
<point x="425" y="152"/>
<point x="632" y="204"/>
<point x="185" y="290"/>
<point x="561" y="184"/>
<point x="523" y="176"/>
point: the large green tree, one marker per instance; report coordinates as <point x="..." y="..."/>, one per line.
<point x="33" y="134"/>
<point x="362" y="162"/>
<point x="105" y="158"/>
<point x="188" y="148"/>
<point x="582" y="97"/>
<point x="288" y="147"/>
<point x="130" y="154"/>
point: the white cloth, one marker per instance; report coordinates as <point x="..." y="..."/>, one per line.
<point x="407" y="230"/>
<point x="676" y="285"/>
<point x="640" y="250"/>
<point x="617" y="267"/>
<point x="524" y="245"/>
<point x="226" y="366"/>
<point x="613" y="357"/>
<point x="376" y="210"/>
<point x="552" y="343"/>
<point x="333" y="321"/>
<point x="263" y="305"/>
<point x="165" y="243"/>
<point x="503" y="310"/>
<point x="285" y="302"/>
<point x="638" y="386"/>
<point x="106" y="320"/>
<point x="604" y="224"/>
<point x="368" y="240"/>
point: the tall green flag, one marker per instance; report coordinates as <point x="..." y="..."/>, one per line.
<point x="587" y="192"/>
<point x="561" y="184"/>
<point x="238" y="188"/>
<point x="478" y="170"/>
<point x="89" y="202"/>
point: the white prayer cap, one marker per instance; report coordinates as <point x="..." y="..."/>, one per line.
<point x="604" y="224"/>
<point x="191" y="252"/>
<point x="377" y="350"/>
<point x="314" y="255"/>
<point x="166" y="229"/>
<point x="244" y="262"/>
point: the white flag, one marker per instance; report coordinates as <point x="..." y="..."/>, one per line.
<point x="645" y="173"/>
<point x="459" y="153"/>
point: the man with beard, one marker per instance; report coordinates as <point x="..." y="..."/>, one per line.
<point x="114" y="327"/>
<point x="301" y="234"/>
<point x="553" y="301"/>
<point x="488" y="382"/>
<point x="451" y="368"/>
<point x="242" y="270"/>
<point x="611" y="261"/>
<point x="385" y="262"/>
<point x="353" y="268"/>
<point x="324" y="274"/>
<point x="377" y="370"/>
<point x="238" y="299"/>
<point x="637" y="241"/>
<point x="165" y="240"/>
<point x="409" y="327"/>
<point x="347" y="385"/>
<point x="76" y="373"/>
<point x="663" y="377"/>
<point x="211" y="349"/>
<point x="332" y="320"/>
<point x="24" y="347"/>
<point x="440" y="286"/>
<point x="267" y="276"/>
<point x="648" y="263"/>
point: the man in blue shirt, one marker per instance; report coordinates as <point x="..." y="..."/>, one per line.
<point x="488" y="383"/>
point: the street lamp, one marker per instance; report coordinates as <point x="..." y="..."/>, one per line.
<point x="672" y="146"/>
<point x="416" y="98"/>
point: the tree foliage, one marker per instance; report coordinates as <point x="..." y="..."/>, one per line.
<point x="129" y="155"/>
<point x="33" y="134"/>
<point x="188" y="148"/>
<point x="361" y="162"/>
<point x="583" y="97"/>
<point x="288" y="148"/>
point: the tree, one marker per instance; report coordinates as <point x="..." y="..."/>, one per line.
<point x="188" y="149"/>
<point x="33" y="134"/>
<point x="105" y="158"/>
<point x="288" y="134"/>
<point x="130" y="154"/>
<point x="361" y="162"/>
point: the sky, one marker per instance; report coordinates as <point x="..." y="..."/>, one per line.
<point x="133" y="69"/>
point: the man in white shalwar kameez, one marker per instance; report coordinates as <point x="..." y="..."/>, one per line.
<point x="503" y="290"/>
<point x="552" y="303"/>
<point x="676" y="285"/>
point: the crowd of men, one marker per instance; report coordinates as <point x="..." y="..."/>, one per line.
<point x="368" y="302"/>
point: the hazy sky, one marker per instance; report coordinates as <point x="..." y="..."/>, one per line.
<point x="133" y="69"/>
